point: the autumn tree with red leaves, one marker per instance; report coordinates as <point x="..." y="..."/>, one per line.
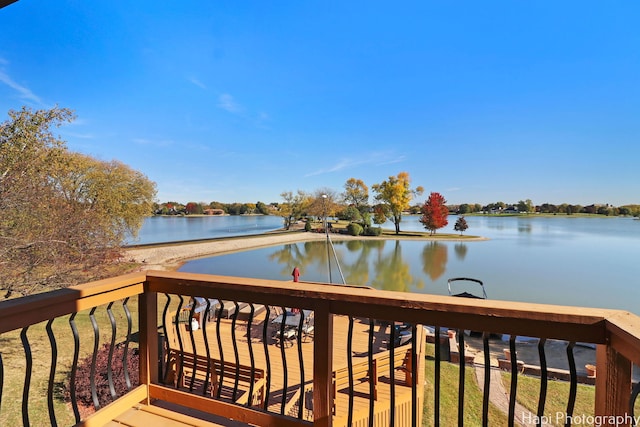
<point x="434" y="213"/>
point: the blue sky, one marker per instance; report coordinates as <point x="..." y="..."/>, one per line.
<point x="239" y="101"/>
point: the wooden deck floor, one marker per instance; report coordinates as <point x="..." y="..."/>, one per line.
<point x="169" y="416"/>
<point x="288" y="370"/>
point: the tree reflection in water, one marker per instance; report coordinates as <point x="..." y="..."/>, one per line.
<point x="365" y="262"/>
<point x="392" y="273"/>
<point x="461" y="251"/>
<point x="434" y="258"/>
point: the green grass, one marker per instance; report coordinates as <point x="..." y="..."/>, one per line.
<point x="425" y="235"/>
<point x="449" y="377"/>
<point x="389" y="233"/>
<point x="13" y="359"/>
<point x="527" y="395"/>
<point x="528" y="391"/>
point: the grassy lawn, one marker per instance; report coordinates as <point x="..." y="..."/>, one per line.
<point x="449" y="396"/>
<point x="13" y="358"/>
<point x="557" y="398"/>
<point x="425" y="234"/>
<point x="337" y="225"/>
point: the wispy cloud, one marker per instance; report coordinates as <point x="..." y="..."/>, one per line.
<point x="349" y="163"/>
<point x="341" y="165"/>
<point x="391" y="161"/>
<point x="23" y="92"/>
<point x="197" y="82"/>
<point x="228" y="103"/>
<point x="262" y="120"/>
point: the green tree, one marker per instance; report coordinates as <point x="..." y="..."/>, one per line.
<point x="526" y="206"/>
<point x="65" y="215"/>
<point x="354" y="229"/>
<point x="293" y="207"/>
<point x="434" y="212"/>
<point x="262" y="208"/>
<point x="633" y="210"/>
<point x="605" y="210"/>
<point x="350" y="213"/>
<point x="235" y="208"/>
<point x="396" y="195"/>
<point x="356" y="193"/>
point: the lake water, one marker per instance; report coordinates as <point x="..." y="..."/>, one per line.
<point x="591" y="262"/>
<point x="159" y="229"/>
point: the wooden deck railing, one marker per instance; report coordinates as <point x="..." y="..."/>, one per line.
<point x="616" y="334"/>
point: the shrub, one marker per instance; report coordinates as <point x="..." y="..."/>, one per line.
<point x="354" y="229"/>
<point x="373" y="231"/>
<point x="307" y="225"/>
<point x="83" y="376"/>
<point x="350" y="213"/>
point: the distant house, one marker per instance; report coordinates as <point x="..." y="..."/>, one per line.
<point x="510" y="210"/>
<point x="213" y="212"/>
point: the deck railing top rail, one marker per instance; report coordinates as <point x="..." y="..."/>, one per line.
<point x="20" y="312"/>
<point x="525" y="319"/>
<point x="594" y="325"/>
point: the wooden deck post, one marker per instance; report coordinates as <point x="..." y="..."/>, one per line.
<point x="148" y="331"/>
<point x="419" y="374"/>
<point x="613" y="384"/>
<point x="323" y="366"/>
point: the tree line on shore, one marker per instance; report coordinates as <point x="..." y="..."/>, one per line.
<point x="392" y="198"/>
<point x="527" y="206"/>
<point x="260" y="208"/>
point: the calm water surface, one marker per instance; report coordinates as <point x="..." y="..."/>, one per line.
<point x="159" y="229"/>
<point x="561" y="260"/>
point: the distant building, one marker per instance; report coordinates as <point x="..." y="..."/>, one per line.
<point x="213" y="212"/>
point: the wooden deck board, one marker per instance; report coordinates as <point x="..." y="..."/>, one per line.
<point x="138" y="417"/>
<point x="145" y="415"/>
<point x="360" y="344"/>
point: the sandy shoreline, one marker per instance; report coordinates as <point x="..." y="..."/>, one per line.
<point x="171" y="256"/>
